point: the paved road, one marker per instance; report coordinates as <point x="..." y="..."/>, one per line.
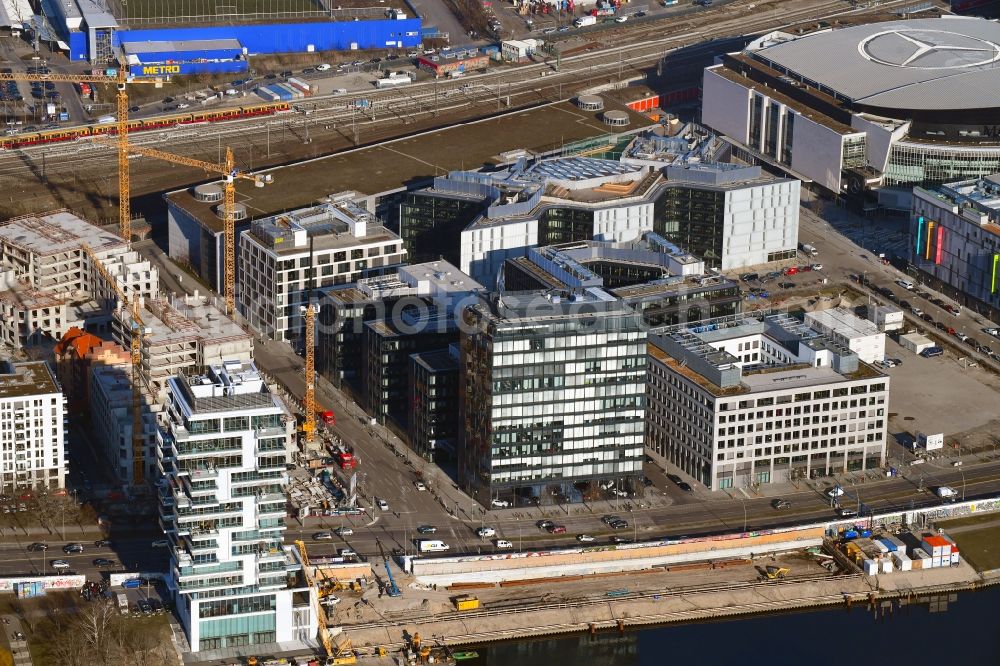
<point x="133" y="551"/>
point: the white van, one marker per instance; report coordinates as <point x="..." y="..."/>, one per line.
<point x="432" y="546"/>
<point x="503" y="544"/>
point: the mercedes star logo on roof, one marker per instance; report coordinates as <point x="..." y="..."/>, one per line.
<point x="928" y="49"/>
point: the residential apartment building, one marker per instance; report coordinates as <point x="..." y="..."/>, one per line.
<point x="759" y="399"/>
<point x="554" y="387"/>
<point x="955" y="240"/>
<point x="32" y="428"/>
<point x="282" y="258"/>
<point x="223" y="452"/>
<point x="181" y="334"/>
<point x="345" y="311"/>
<point x="76" y="354"/>
<point x="111" y="422"/>
<point x="434" y="393"/>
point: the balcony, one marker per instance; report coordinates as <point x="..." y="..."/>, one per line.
<point x="195" y="570"/>
<point x="199" y="585"/>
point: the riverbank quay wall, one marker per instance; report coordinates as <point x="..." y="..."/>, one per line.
<point x="551" y="563"/>
<point x="501" y="567"/>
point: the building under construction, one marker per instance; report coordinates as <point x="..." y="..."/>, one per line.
<point x="181" y="334"/>
<point x="49" y="280"/>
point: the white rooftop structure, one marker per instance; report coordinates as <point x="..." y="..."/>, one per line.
<point x="860" y="335"/>
<point x="933" y="63"/>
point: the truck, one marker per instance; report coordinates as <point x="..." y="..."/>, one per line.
<point x="327" y="417"/>
<point x="432" y="546"/>
<point x="122" y="603"/>
<point x="808" y="250"/>
<point x="585" y="21"/>
<point x="105" y="120"/>
<point x="346" y="460"/>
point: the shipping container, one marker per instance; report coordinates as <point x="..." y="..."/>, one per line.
<point x="283" y="94"/>
<point x="956" y="559"/>
<point x="267" y="94"/>
<point x="889" y="545"/>
<point x="870" y="567"/>
<point x="881" y="546"/>
<point x="886" y="565"/>
<point x="936" y="546"/>
<point x="301" y="85"/>
<point x="897" y="544"/>
<point x="936" y="561"/>
<point x="291" y="90"/>
<point x="903" y="563"/>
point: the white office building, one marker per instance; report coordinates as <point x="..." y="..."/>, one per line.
<point x="223" y="453"/>
<point x="758" y="399"/>
<point x="729" y="215"/>
<point x="32" y="427"/>
<point x="282" y="257"/>
<point x="861" y="336"/>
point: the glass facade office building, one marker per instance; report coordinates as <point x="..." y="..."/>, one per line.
<point x="554" y="397"/>
<point x="224" y="455"/>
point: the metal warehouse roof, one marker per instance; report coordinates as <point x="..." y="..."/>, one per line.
<point x="920" y="64"/>
<point x="182" y="46"/>
<point x="13" y="13"/>
<point x="96" y="14"/>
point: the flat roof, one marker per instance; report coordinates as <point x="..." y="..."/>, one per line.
<point x="947" y="63"/>
<point x="403" y="162"/>
<point x="56" y="232"/>
<point x="182" y="45"/>
<point x="30" y="298"/>
<point x="843" y="322"/>
<point x="14" y="13"/>
<point x="436" y="361"/>
<point x="185" y="319"/>
<point x="24" y="379"/>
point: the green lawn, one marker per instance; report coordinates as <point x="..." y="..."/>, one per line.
<point x="980" y="547"/>
<point x="170" y="8"/>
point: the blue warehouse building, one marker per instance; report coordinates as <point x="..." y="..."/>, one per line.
<point x="89" y="31"/>
<point x="188" y="57"/>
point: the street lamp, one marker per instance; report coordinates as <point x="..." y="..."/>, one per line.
<point x="962" y="472"/>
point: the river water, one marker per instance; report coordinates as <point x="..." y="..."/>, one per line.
<point x="950" y="630"/>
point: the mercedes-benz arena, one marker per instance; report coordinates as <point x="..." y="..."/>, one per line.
<point x="881" y="106"/>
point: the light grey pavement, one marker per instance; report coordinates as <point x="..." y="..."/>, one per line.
<point x="14" y="636"/>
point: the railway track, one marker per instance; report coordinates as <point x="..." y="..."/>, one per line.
<point x="462" y="99"/>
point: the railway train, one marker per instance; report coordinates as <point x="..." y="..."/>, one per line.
<point x="139" y="125"/>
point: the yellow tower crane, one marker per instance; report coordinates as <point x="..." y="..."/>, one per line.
<point x="120" y="78"/>
<point x="309" y="423"/>
<point x="231" y="174"/>
<point x="138" y="329"/>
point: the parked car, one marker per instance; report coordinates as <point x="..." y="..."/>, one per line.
<point x="931" y="352"/>
<point x="685" y="486"/>
<point x="323" y="67"/>
<point x="382" y="504"/>
<point x="419" y="485"/>
<point x="917" y="312"/>
<point x="906" y="284"/>
<point x="499" y="503"/>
